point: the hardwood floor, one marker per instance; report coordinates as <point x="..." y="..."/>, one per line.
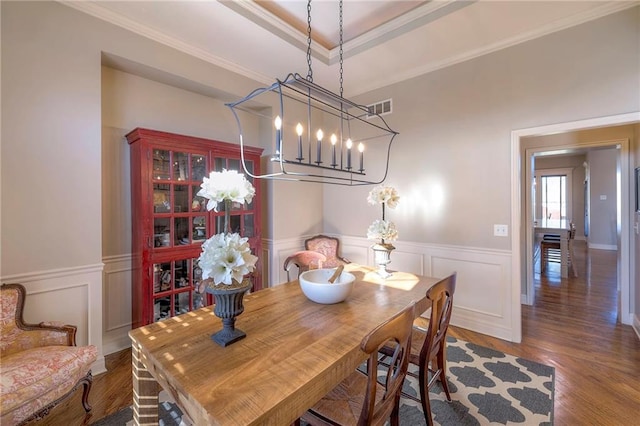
<point x="572" y="326"/>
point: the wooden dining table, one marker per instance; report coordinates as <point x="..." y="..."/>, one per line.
<point x="294" y="353"/>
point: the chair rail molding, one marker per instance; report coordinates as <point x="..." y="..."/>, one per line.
<point x="70" y="295"/>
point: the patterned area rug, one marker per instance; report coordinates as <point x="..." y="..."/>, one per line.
<point x="487" y="387"/>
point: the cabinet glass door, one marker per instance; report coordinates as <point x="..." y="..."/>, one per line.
<point x="179" y="214"/>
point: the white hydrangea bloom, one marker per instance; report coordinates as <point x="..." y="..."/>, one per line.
<point x="226" y="257"/>
<point x="382" y="230"/>
<point x="226" y="185"/>
<point x="382" y="194"/>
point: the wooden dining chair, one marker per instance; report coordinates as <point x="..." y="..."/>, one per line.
<point x="304" y="260"/>
<point x="329" y="246"/>
<point x="428" y="344"/>
<point x="550" y="250"/>
<point x="360" y="399"/>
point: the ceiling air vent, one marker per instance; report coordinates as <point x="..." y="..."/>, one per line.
<point x="379" y="108"/>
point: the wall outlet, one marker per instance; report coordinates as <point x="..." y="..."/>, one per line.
<point x="501" y="230"/>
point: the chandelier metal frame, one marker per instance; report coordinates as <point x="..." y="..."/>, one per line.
<point x="346" y="116"/>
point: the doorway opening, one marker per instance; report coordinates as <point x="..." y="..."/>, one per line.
<point x="523" y="150"/>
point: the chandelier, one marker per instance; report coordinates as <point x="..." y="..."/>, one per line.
<point x="318" y="136"/>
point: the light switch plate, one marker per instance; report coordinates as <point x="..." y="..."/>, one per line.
<point x="501" y="230"/>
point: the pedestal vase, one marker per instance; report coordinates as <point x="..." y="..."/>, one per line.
<point x="228" y="305"/>
<point x="382" y="257"/>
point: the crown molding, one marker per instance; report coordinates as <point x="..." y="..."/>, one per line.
<point x="561" y="24"/>
<point x="106" y="15"/>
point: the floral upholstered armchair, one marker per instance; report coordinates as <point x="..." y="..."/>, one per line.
<point x="40" y="365"/>
<point x="328" y="246"/>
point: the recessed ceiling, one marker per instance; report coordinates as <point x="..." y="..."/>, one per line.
<point x="384" y="41"/>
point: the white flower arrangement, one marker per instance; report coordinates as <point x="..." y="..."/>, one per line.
<point x="387" y="196"/>
<point x="226" y="185"/>
<point x="382" y="230"/>
<point x="226" y="258"/>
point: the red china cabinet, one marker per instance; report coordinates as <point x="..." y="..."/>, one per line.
<point x="170" y="222"/>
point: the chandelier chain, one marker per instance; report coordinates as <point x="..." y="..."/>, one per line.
<point x="341" y="59"/>
<point x="310" y="71"/>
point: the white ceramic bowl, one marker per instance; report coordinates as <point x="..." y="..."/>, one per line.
<point x="315" y="285"/>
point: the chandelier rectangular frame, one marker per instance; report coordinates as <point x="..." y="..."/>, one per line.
<point x="352" y="125"/>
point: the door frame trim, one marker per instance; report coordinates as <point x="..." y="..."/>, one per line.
<point x="520" y="167"/>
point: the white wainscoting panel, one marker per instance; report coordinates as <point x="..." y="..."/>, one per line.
<point x="482" y="301"/>
<point x="69" y="295"/>
<point x="277" y="252"/>
<point x="117" y="303"/>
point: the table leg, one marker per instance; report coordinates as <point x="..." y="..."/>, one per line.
<point x="145" y="391"/>
<point x="564" y="258"/>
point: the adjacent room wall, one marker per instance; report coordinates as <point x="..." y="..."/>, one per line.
<point x="603" y="195"/>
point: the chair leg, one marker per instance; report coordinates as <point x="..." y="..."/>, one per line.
<point x="442" y="368"/>
<point x="423" y="380"/>
<point x="572" y="260"/>
<point x="395" y="414"/>
<point x="86" y="382"/>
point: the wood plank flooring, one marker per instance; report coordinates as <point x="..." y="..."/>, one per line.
<point x="573" y="326"/>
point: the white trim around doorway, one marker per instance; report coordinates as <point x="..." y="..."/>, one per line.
<point x="518" y="167"/>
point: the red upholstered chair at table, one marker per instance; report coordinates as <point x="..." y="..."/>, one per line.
<point x="40" y="364"/>
<point x="304" y="260"/>
<point x="329" y="246"/>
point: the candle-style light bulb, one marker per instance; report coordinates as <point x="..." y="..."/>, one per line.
<point x="278" y="125"/>
<point x="334" y="139"/>
<point x="349" y="145"/>
<point x="319" y="136"/>
<point x="361" y="149"/>
<point x="299" y="132"/>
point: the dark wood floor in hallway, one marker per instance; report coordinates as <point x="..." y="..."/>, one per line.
<point x="573" y="325"/>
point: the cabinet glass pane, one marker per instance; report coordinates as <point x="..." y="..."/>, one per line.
<point x="249" y="165"/>
<point x="180" y="166"/>
<point x="198" y="167"/>
<point x="249" y="230"/>
<point x="181" y="273"/>
<point x="234" y="165"/>
<point x="181" y="198"/>
<point x="219" y="164"/>
<point x="196" y="273"/>
<point x="198" y="204"/>
<point x="161" y="232"/>
<point x="181" y="229"/>
<point x="182" y="302"/>
<point x="199" y="228"/>
<point x="161" y="308"/>
<point x="234" y="224"/>
<point x="161" y="168"/>
<point x="161" y="198"/>
<point x="161" y="277"/>
<point x="199" y="300"/>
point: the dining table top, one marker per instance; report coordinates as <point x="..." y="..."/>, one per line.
<point x="294" y="353"/>
<point x="545" y="223"/>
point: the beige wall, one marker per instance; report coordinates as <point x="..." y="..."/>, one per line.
<point x="603" y="206"/>
<point x="451" y="161"/>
